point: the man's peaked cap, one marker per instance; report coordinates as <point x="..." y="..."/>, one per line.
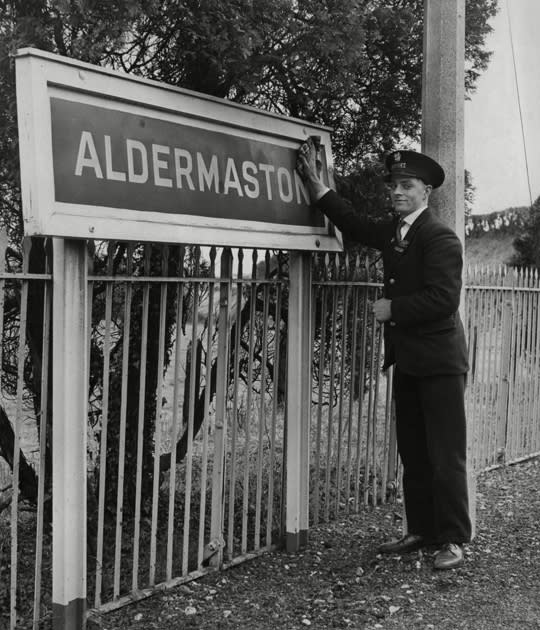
<point x="414" y="164"/>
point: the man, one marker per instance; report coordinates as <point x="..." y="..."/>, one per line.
<point x="425" y="340"/>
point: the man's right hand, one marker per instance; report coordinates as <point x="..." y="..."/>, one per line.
<point x="309" y="169"/>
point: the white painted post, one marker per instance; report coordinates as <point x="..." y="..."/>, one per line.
<point x="298" y="400"/>
<point x="443" y="129"/>
<point x="69" y="433"/>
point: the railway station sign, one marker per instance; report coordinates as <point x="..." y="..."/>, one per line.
<point x="106" y="155"/>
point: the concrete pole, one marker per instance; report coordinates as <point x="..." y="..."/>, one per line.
<point x="443" y="102"/>
<point x="443" y="129"/>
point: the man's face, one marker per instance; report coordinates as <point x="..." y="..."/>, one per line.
<point x="408" y="194"/>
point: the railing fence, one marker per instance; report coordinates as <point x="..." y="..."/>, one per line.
<point x="187" y="423"/>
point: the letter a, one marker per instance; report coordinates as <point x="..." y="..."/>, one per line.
<point x="87" y="144"/>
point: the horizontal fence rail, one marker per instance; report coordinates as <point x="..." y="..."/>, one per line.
<point x="187" y="358"/>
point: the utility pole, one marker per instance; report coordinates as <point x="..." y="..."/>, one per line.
<point x="443" y="130"/>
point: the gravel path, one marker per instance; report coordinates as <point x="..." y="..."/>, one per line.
<point x="341" y="582"/>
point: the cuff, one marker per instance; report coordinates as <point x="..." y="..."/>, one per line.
<point x="321" y="193"/>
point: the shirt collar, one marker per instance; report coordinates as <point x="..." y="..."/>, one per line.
<point x="411" y="218"/>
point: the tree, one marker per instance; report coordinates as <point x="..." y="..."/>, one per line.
<point x="527" y="244"/>
<point x="354" y="65"/>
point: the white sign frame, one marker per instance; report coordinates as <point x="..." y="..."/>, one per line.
<point x="42" y="76"/>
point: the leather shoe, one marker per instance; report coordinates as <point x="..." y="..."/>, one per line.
<point x="409" y="542"/>
<point x="449" y="556"/>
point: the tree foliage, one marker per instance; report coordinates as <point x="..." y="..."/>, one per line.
<point x="354" y="65"/>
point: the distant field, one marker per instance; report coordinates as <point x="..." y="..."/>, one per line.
<point x="492" y="248"/>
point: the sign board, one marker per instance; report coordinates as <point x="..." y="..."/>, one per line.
<point x="106" y="155"/>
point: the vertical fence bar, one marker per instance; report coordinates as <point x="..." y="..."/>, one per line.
<point x="43" y="437"/>
<point x="216" y="516"/>
<point x="512" y="369"/>
<point x="175" y="425"/>
<point x="361" y="385"/>
<point x="21" y="355"/>
<point x="70" y="398"/>
<point x="343" y="363"/>
<point x="377" y="350"/>
<point x="536" y="371"/>
<point x="235" y="407"/>
<point x="354" y="327"/>
<point x="493" y="323"/>
<point x="262" y="409"/>
<point x="158" y="432"/>
<point x="386" y="440"/>
<point x="370" y="413"/>
<point x="104" y="430"/>
<point x="193" y="391"/>
<point x="331" y="389"/>
<point x="504" y="371"/>
<point x="128" y="288"/>
<point x="533" y="361"/>
<point x="140" y="420"/>
<point x="249" y="397"/>
<point x="320" y="403"/>
<point x="206" y="421"/>
<point x="275" y="400"/>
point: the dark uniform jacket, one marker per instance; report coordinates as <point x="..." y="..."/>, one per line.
<point x="422" y="277"/>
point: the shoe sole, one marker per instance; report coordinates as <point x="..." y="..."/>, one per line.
<point x="410" y="549"/>
<point x="454" y="565"/>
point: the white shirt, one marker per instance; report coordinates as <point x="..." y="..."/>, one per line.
<point x="408" y="220"/>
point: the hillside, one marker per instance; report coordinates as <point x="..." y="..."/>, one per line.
<point x="489" y="248"/>
<point x="490" y="237"/>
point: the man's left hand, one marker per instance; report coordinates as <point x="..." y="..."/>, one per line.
<point x="382" y="310"/>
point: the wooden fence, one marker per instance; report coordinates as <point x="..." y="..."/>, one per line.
<point x="162" y="508"/>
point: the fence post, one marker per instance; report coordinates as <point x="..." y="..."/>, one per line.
<point x="70" y="397"/>
<point x="298" y="400"/>
<point x="216" y="516"/>
<point x="505" y="368"/>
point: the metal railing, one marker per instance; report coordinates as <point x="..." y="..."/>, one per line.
<point x="186" y="382"/>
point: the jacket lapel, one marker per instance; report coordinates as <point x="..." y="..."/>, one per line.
<point x="400" y="247"/>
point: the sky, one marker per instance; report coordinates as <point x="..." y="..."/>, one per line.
<point x="494" y="147"/>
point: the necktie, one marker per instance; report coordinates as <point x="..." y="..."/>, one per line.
<point x="400" y="231"/>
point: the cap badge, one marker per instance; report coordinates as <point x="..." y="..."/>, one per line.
<point x="397" y="157"/>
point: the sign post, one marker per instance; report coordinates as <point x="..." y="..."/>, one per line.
<point x="298" y="400"/>
<point x="70" y="418"/>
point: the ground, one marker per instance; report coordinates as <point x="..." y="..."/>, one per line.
<point x="340" y="581"/>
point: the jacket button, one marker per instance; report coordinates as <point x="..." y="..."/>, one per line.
<point x="392" y="281"/>
<point x="392" y="323"/>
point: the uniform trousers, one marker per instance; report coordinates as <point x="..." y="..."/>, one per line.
<point x="431" y="437"/>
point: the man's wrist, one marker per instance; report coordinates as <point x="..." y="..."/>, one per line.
<point x="319" y="193"/>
